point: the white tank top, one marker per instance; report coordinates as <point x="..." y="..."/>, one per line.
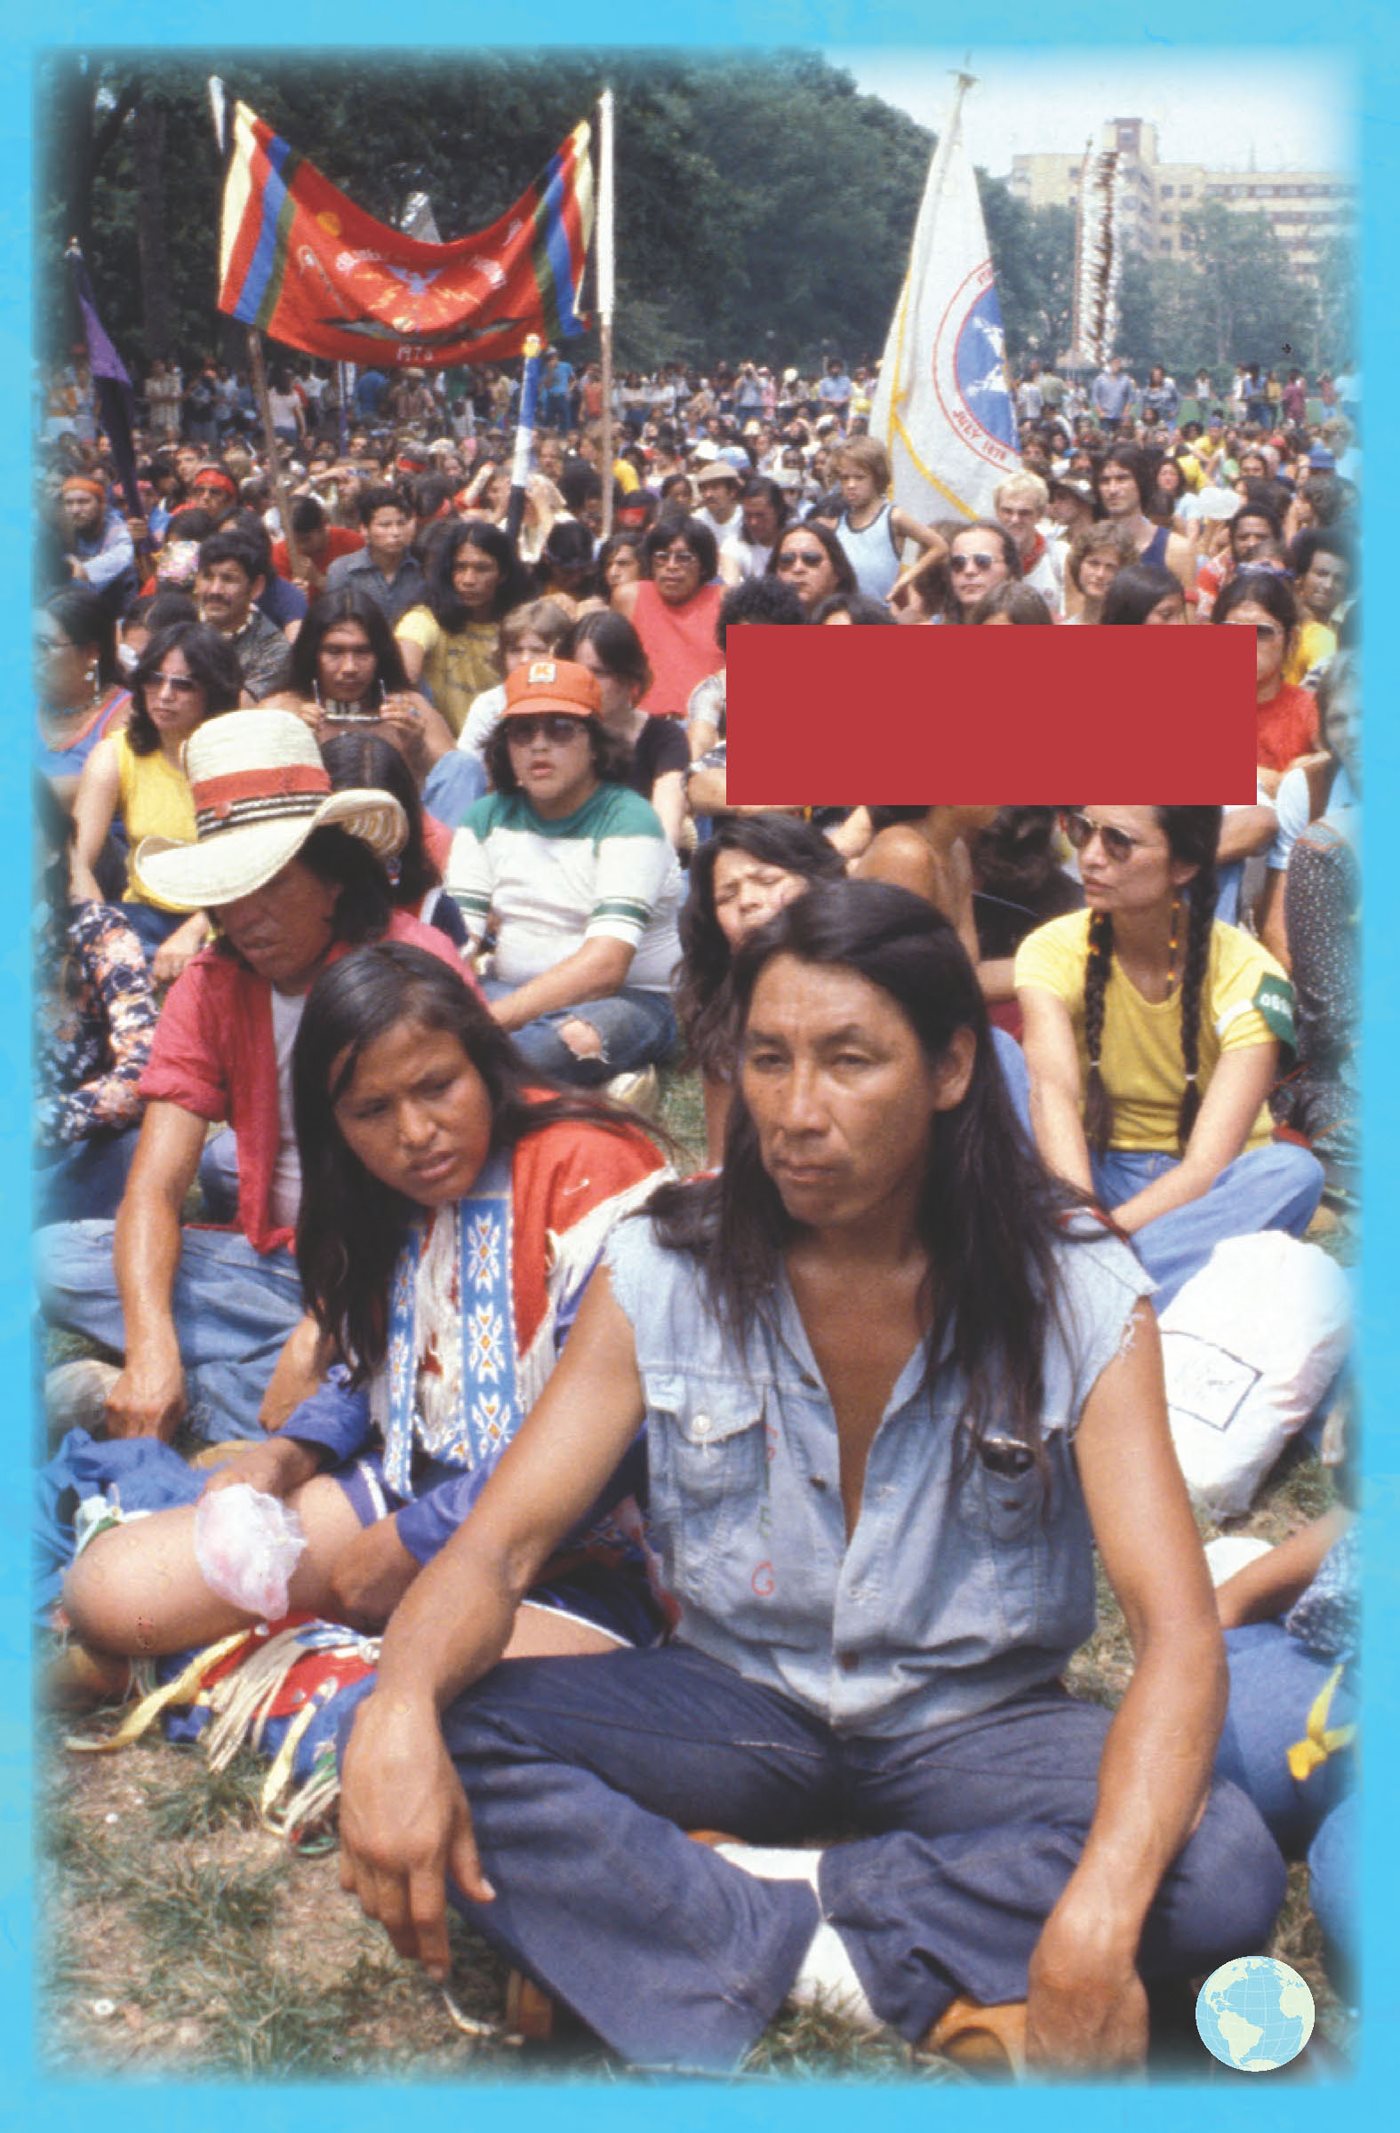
<point x="872" y="553"/>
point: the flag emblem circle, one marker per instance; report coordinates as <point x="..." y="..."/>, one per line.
<point x="969" y="371"/>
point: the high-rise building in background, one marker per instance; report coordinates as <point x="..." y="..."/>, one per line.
<point x="1307" y="208"/>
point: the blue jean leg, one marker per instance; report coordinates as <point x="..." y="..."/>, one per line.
<point x="455" y="780"/>
<point x="1274" y="1187"/>
<point x="218" y="1176"/>
<point x="1274" y="1681"/>
<point x="233" y="1310"/>
<point x="1332" y="1888"/>
<point x="578" y="1770"/>
<point x="637" y="1028"/>
<point x="983" y="1823"/>
<point x="582" y="1776"/>
<point x="84" y="1180"/>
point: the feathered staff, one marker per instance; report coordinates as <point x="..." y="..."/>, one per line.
<point x="1098" y="256"/>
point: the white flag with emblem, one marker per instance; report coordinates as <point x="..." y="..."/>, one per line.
<point x="943" y="407"/>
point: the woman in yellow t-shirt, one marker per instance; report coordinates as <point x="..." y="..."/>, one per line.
<point x="451" y="646"/>
<point x="136" y="778"/>
<point x="1152" y="1034"/>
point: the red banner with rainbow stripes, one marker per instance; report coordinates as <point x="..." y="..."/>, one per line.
<point x="308" y="267"/>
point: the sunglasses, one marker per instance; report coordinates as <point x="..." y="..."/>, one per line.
<point x="1264" y="631"/>
<point x="959" y="563"/>
<point x="1118" y="846"/>
<point x="177" y="684"/>
<point x="813" y="558"/>
<point x="547" y="726"/>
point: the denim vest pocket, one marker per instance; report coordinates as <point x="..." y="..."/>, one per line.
<point x="707" y="1454"/>
<point x="1004" y="1509"/>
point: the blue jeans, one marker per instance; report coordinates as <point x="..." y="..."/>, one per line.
<point x="1273" y="1683"/>
<point x="1275" y="1187"/>
<point x="584" y="1774"/>
<point x="151" y="926"/>
<point x="233" y="1309"/>
<point x="455" y="780"/>
<point x="83" y="1179"/>
<point x="638" y="1029"/>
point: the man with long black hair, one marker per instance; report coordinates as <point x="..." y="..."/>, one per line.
<point x="897" y="1386"/>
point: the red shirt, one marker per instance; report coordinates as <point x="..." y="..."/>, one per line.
<point x="1286" y="728"/>
<point x="213" y="1055"/>
<point x="344" y="540"/>
<point x="679" y="643"/>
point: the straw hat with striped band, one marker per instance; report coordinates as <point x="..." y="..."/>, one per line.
<point x="259" y="789"/>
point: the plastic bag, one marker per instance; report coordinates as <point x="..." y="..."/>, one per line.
<point x="247" y="1546"/>
<point x="1251" y="1344"/>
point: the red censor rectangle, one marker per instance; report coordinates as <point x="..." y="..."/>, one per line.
<point x="1018" y="716"/>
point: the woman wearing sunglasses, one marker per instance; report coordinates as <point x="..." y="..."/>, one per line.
<point x="1152" y="1034"/>
<point x="136" y="779"/>
<point x="810" y="559"/>
<point x="571" y="871"/>
<point x="674" y="607"/>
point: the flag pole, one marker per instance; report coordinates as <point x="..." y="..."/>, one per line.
<point x="274" y="456"/>
<point x="218" y="105"/>
<point x="524" y="436"/>
<point x="606" y="293"/>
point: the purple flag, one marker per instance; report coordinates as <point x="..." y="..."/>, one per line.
<point x="111" y="383"/>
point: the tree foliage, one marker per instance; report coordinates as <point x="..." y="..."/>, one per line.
<point x="765" y="206"/>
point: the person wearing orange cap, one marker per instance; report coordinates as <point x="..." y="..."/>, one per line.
<point x="99" y="549"/>
<point x="572" y="872"/>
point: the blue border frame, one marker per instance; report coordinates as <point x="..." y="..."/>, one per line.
<point x="1366" y="34"/>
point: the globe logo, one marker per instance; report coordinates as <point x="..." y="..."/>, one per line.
<point x="1254" y="2014"/>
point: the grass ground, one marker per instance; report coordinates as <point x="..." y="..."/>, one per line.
<point x="180" y="1936"/>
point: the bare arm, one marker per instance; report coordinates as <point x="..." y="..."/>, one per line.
<point x="906" y="528"/>
<point x="1270" y="1585"/>
<point x="668" y="798"/>
<point x="594" y="971"/>
<point x="1238" y="1087"/>
<point x="413" y="657"/>
<point x="1087" y="2005"/>
<point x="99" y="791"/>
<point x="1245" y="831"/>
<point x="148" y="1398"/>
<point x="1057" y="1100"/>
<point x="404" y="1820"/>
<point x="1273" y="930"/>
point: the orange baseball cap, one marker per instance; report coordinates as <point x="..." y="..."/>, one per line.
<point x="553" y="685"/>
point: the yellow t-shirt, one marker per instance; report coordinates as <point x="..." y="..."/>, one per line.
<point x="1313" y="643"/>
<point x="154" y="801"/>
<point x="456" y="668"/>
<point x="1246" y="1000"/>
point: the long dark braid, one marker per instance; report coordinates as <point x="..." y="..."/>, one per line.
<point x="1193" y="835"/>
<point x="1098" y="1104"/>
<point x="1201" y="894"/>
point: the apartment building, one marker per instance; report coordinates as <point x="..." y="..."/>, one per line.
<point x="1306" y="207"/>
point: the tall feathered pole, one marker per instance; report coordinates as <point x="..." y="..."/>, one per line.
<point x="1098" y="257"/>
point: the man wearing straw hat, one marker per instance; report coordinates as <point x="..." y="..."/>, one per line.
<point x="294" y="876"/>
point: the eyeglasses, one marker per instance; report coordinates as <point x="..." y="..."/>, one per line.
<point x="1081" y="831"/>
<point x="959" y="563"/>
<point x="176" y="684"/>
<point x="813" y="558"/>
<point x="677" y="556"/>
<point x="1264" y="631"/>
<point x="549" y="726"/>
